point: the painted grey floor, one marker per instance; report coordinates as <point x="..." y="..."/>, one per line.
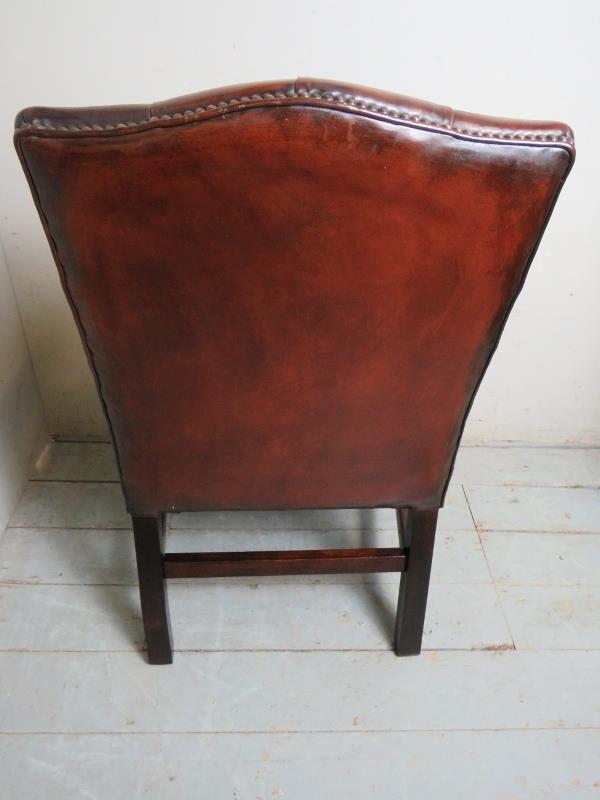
<point x="287" y="688"/>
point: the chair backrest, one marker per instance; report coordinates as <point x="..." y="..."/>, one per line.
<point x="289" y="292"/>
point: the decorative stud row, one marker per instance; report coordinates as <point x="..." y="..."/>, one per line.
<point x="335" y="98"/>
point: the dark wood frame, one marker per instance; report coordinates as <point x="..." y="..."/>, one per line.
<point x="412" y="559"/>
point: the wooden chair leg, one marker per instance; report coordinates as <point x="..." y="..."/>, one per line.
<point x="149" y="535"/>
<point x="417" y="533"/>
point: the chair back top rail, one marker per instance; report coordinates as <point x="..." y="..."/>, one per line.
<point x="111" y="120"/>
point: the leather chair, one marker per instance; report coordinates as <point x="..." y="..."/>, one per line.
<point x="288" y="294"/>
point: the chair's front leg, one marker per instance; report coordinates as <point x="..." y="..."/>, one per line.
<point x="149" y="535"/>
<point x="417" y="534"/>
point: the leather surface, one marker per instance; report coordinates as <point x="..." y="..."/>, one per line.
<point x="289" y="292"/>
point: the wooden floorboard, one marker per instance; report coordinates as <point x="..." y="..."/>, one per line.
<point x="457" y="765"/>
<point x="286" y="687"/>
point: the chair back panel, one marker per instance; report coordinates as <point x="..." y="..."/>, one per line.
<point x="289" y="301"/>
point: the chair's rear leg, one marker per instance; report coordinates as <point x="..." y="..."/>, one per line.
<point x="149" y="535"/>
<point x="417" y="533"/>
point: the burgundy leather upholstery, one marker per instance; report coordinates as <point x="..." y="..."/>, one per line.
<point x="289" y="292"/>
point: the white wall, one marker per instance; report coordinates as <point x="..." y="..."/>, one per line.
<point x="22" y="425"/>
<point x="530" y="59"/>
